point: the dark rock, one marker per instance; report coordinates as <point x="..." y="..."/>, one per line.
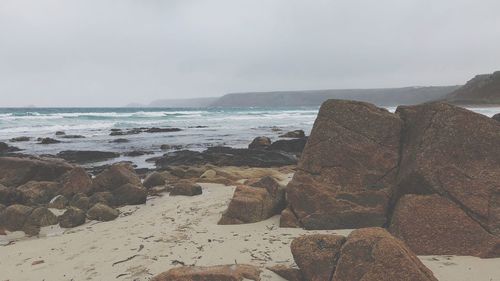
<point x="317" y="255"/>
<point x="235" y="272"/>
<point x="496" y="117"/>
<point x="105" y="198"/>
<point x="76" y="156"/>
<point x="123" y="133"/>
<point x="162" y="130"/>
<point x="80" y="201"/>
<point x="293" y="146"/>
<point x="171" y="147"/>
<point x="17" y="171"/>
<point x="289" y="219"/>
<point x="101" y="212"/>
<point x="59" y="202"/>
<point x="287" y="273"/>
<point x="260" y="143"/>
<point x="11" y="195"/>
<point x="73" y="137"/>
<point x="348" y="167"/>
<point x="129" y="194"/>
<point x="226" y="156"/>
<point x="373" y="254"/>
<point x="42" y="217"/>
<point x="48" y="141"/>
<point x="136" y="153"/>
<point x="60" y="133"/>
<point x="5" y="148"/>
<point x="294" y="134"/>
<point x="120" y="141"/>
<point x="39" y="192"/>
<point x="14" y="217"/>
<point x="72" y="217"/>
<point x="20" y="139"/>
<point x="75" y="181"/>
<point x="114" y="177"/>
<point x="433" y="225"/>
<point x="186" y="188"/>
<point x="154" y="179"/>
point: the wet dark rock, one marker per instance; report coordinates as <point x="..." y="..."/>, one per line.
<point x="496" y="117"/>
<point x="137" y="153"/>
<point x="162" y="130"/>
<point x="73" y="137"/>
<point x="20" y="139"/>
<point x="171" y="147"/>
<point x="79" y="156"/>
<point x="48" y="141"/>
<point x="5" y="148"/>
<point x="260" y="143"/>
<point x="136" y="131"/>
<point x="294" y="134"/>
<point x="60" y="133"/>
<point x="72" y="217"/>
<point x="293" y="145"/>
<point x="120" y="141"/>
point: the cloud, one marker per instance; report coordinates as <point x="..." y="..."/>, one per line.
<point x="109" y="53"/>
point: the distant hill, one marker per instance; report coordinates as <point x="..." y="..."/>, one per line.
<point x="389" y="96"/>
<point x="482" y="89"/>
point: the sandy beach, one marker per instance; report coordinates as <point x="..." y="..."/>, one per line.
<point x="170" y="231"/>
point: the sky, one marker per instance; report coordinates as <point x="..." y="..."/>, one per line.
<point x="115" y="52"/>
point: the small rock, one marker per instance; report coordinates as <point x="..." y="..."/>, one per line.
<point x="20" y="139"/>
<point x="48" y="141"/>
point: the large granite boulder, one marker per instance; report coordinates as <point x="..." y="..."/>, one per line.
<point x="15" y="216"/>
<point x="295" y="146"/>
<point x="236" y="272"/>
<point x="433" y="225"/>
<point x="317" y="255"/>
<point x="39" y="192"/>
<point x="264" y="199"/>
<point x="260" y="143"/>
<point x="373" y="254"/>
<point x="101" y="212"/>
<point x="11" y="195"/>
<point x="16" y="171"/>
<point x="453" y="152"/>
<point x="114" y="177"/>
<point x="154" y="179"/>
<point x="348" y="167"/>
<point x="186" y="188"/>
<point x="129" y="194"/>
<point x="72" y="217"/>
<point x="75" y="181"/>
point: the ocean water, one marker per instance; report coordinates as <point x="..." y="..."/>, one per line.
<point x="201" y="127"/>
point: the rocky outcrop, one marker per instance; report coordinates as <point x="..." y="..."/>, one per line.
<point x="360" y="160"/>
<point x="114" y="177"/>
<point x="75" y="181"/>
<point x="186" y="188"/>
<point x="20" y="139"/>
<point x="482" y="89"/>
<point x="17" y="171"/>
<point x="72" y="217"/>
<point x="366" y="254"/>
<point x="101" y="212"/>
<point x="260" y="143"/>
<point x="78" y="156"/>
<point x="295" y="146"/>
<point x="226" y="156"/>
<point x="236" y="272"/>
<point x="80" y="201"/>
<point x="293" y="134"/>
<point x="433" y="225"/>
<point x="262" y="200"/>
<point x="5" y="148"/>
<point x="496" y="117"/>
<point x="48" y="141"/>
<point x="348" y="166"/>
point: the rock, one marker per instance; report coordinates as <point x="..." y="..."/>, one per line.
<point x="186" y="188"/>
<point x="433" y="225"/>
<point x="154" y="179"/>
<point x="171" y="147"/>
<point x="288" y="219"/>
<point x="209" y="174"/>
<point x="347" y="168"/>
<point x="292" y="146"/>
<point x="5" y="148"/>
<point x="137" y="153"/>
<point x="15" y="216"/>
<point x="496" y="117"/>
<point x="287" y="273"/>
<point x="260" y="143"/>
<point x="114" y="177"/>
<point x="236" y="272"/>
<point x="17" y="171"/>
<point x="373" y="254"/>
<point x="77" y="156"/>
<point x="317" y="255"/>
<point x="119" y="132"/>
<point x="101" y="212"/>
<point x="75" y="181"/>
<point x="80" y="201"/>
<point x="41" y="217"/>
<point x="186" y="172"/>
<point x="10" y="196"/>
<point x="129" y="194"/>
<point x="226" y="156"/>
<point x="253" y="204"/>
<point x="39" y="192"/>
<point x="294" y="134"/>
<point x="453" y="152"/>
<point x="73" y="137"/>
<point x="482" y="89"/>
<point x="47" y="141"/>
<point x="120" y="141"/>
<point x="20" y="139"/>
<point x="59" y="202"/>
<point x="162" y="130"/>
<point x="60" y="133"/>
<point x="105" y="198"/>
<point x="72" y="217"/>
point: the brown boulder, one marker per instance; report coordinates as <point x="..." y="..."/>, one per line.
<point x="373" y="254"/>
<point x="17" y="171"/>
<point x="433" y="225"/>
<point x="41" y="217"/>
<point x="59" y="202"/>
<point x="101" y="212"/>
<point x="39" y="192"/>
<point x="347" y="168"/>
<point x="317" y="255"/>
<point x="11" y="195"/>
<point x="14" y="217"/>
<point x="72" y="217"/>
<point x="114" y="177"/>
<point x="236" y="272"/>
<point x="288" y="219"/>
<point x="129" y="194"/>
<point x="453" y="152"/>
<point x="75" y="181"/>
<point x="154" y="179"/>
<point x="287" y="273"/>
<point x="260" y="143"/>
<point x="105" y="198"/>
<point x="80" y="201"/>
<point x="186" y="188"/>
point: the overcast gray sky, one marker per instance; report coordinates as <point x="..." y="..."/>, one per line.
<point x="110" y="53"/>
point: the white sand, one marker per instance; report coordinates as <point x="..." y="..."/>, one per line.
<point x="183" y="229"/>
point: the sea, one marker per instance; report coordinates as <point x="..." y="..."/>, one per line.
<point x="200" y="128"/>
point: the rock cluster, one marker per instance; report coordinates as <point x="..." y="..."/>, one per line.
<point x="430" y="173"/>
